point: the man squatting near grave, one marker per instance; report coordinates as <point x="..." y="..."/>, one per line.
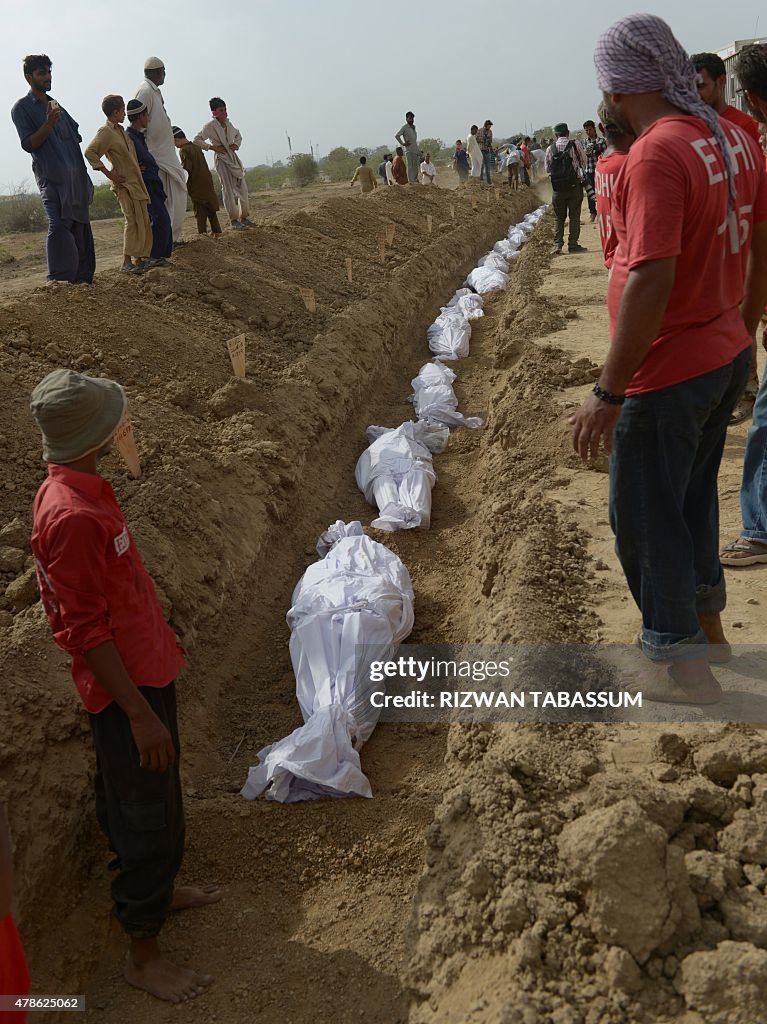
<point x="53" y="138"/>
<point x="220" y="135"/>
<point x="103" y="611"/>
<point x="690" y="215"/>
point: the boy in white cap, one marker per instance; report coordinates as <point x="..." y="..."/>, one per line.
<point x="159" y="139"/>
<point x="104" y="612"/>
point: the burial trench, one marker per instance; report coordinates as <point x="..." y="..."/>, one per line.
<point x="230" y="472"/>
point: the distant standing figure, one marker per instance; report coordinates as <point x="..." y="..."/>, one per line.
<point x="475" y="153"/>
<point x="485" y="142"/>
<point x="565" y="162"/>
<point x="594" y="148"/>
<point x="461" y="162"/>
<point x="382" y="169"/>
<point x="220" y="135"/>
<point x="525" y="165"/>
<point x="110" y="141"/>
<point x="364" y="175"/>
<point x="159" y="218"/>
<point x="159" y="139"/>
<point x="48" y="132"/>
<point x="389" y="176"/>
<point x="199" y="183"/>
<point x="398" y="168"/>
<point x="407" y="137"/>
<point x="428" y="171"/>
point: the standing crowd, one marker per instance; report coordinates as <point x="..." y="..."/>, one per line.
<point x="152" y="169"/>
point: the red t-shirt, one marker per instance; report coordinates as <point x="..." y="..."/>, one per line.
<point x="399" y="170"/>
<point x="604" y="185"/>
<point x="94" y="586"/>
<point x="14" y="975"/>
<point x="671" y="200"/>
<point x="744" y="121"/>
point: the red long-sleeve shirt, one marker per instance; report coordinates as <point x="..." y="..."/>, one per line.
<point x="94" y="586"/>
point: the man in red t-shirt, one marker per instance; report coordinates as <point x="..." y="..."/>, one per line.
<point x="750" y="548"/>
<point x="398" y="168"/>
<point x="14" y="975"/>
<point x="690" y="208"/>
<point x="104" y="612"/>
<point x="605" y="175"/>
<point x="712" y="89"/>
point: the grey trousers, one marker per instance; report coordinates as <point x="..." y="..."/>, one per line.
<point x="412" y="167"/>
<point x="567" y="205"/>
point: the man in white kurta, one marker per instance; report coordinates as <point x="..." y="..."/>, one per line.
<point x="220" y="135"/>
<point x="161" y="144"/>
<point x="474" y="151"/>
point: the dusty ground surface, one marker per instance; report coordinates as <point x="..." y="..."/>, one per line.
<point x="574" y="874"/>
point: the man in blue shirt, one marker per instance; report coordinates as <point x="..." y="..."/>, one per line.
<point x="159" y="218"/>
<point x="48" y="132"/>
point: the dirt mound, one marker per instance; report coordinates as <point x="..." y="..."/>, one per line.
<point x="230" y="469"/>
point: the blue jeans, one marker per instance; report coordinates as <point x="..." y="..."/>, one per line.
<point x="753" y="490"/>
<point x="664" y="507"/>
<point x="487" y="159"/>
<point x="69" y="246"/>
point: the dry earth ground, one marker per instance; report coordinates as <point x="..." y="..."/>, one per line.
<point x="326" y="916"/>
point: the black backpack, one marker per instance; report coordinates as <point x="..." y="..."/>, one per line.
<point x="563" y="173"/>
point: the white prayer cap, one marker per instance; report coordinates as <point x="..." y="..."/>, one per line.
<point x="153" y="64"/>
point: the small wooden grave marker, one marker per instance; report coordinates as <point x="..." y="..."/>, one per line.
<point x="390" y="229"/>
<point x="348" y="262"/>
<point x="429" y="221"/>
<point x="452" y="212"/>
<point x="125" y="444"/>
<point x="307" y="294"/>
<point x="382" y="247"/>
<point x="236" y="347"/>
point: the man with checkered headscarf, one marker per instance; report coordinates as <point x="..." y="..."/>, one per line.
<point x="690" y="215"/>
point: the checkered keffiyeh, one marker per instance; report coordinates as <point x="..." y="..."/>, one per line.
<point x="641" y="54"/>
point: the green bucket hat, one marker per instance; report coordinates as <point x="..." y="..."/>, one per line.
<point x="76" y="414"/>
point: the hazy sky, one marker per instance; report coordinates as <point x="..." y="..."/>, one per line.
<point x="336" y="72"/>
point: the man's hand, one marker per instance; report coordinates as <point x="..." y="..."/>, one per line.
<point x="53" y="115"/>
<point x="592" y="423"/>
<point x="154" y="742"/>
<point x="118" y="179"/>
<point x="218" y="148"/>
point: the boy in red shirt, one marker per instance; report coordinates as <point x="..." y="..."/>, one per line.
<point x="104" y="612"/>
<point x="14" y="976"/>
<point x="690" y="213"/>
<point x="605" y="176"/>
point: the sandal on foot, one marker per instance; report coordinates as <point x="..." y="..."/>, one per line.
<point x="744" y="551"/>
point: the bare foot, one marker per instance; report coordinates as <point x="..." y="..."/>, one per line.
<point x="148" y="970"/>
<point x="186" y="897"/>
<point x="719" y="651"/>
<point x="683" y="682"/>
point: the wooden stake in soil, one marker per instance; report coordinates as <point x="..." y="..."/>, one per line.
<point x="452" y="212"/>
<point x="390" y="229"/>
<point x="382" y="247"/>
<point x="307" y="294"/>
<point x="429" y="221"/>
<point x="236" y="347"/>
<point x="348" y="262"/>
<point x="125" y="444"/>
